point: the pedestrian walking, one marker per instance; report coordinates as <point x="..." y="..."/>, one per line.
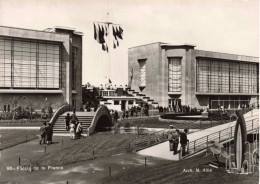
<point x="184" y="141"/>
<point x="67" y="121"/>
<point x="169" y="136"/>
<point x="43" y="133"/>
<point x="79" y="130"/>
<point x="72" y="131"/>
<point x="49" y="133"/>
<point x="116" y="116"/>
<point x="4" y="107"/>
<point x="175" y="141"/>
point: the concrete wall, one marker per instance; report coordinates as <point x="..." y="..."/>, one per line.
<point x="152" y="54"/>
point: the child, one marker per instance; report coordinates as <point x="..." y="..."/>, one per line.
<point x="72" y="132"/>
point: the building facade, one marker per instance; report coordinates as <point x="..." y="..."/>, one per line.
<point x="180" y="74"/>
<point x="40" y="68"/>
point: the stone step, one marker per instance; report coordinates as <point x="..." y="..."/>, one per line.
<point x="63" y="126"/>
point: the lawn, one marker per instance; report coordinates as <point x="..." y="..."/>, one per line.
<point x="14" y="137"/>
<point x="154" y="122"/>
<point x="173" y="172"/>
<point x="22" y="122"/>
<point x="103" y="144"/>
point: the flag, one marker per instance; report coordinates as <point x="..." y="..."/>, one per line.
<point x="95" y="32"/>
<point x="114" y="32"/>
<point x="104" y="47"/>
<point x="119" y="33"/>
<point x="101" y="35"/>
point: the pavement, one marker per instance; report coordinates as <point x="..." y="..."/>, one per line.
<point x="162" y="150"/>
<point x="87" y="172"/>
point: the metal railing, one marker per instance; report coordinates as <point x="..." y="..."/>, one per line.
<point x="60" y="111"/>
<point x="219" y="136"/>
<point x="153" y="139"/>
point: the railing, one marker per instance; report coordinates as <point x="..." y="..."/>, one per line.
<point x="60" y="111"/>
<point x="220" y="136"/>
<point x="153" y="139"/>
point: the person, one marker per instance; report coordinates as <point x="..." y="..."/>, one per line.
<point x="74" y="119"/>
<point x="4" y="107"/>
<point x="8" y="108"/>
<point x="126" y="114"/>
<point x="123" y="114"/>
<point x="175" y="141"/>
<point x="116" y="116"/>
<point x="79" y="130"/>
<point x="169" y="136"/>
<point x="72" y="132"/>
<point x="43" y="133"/>
<point x="184" y="141"/>
<point x="49" y="133"/>
<point x="67" y="121"/>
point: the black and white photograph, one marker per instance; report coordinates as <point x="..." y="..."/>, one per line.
<point x="129" y="91"/>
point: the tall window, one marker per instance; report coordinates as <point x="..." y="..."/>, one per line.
<point x="74" y="60"/>
<point x="218" y="76"/>
<point x="5" y="63"/>
<point x="142" y="68"/>
<point x="29" y="64"/>
<point x="174" y="74"/>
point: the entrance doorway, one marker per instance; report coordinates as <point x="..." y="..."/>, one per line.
<point x="174" y="102"/>
<point x="123" y="102"/>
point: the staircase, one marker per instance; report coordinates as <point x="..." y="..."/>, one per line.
<point x="141" y="96"/>
<point x="84" y="117"/>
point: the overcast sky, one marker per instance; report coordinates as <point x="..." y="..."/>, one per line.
<point x="221" y="26"/>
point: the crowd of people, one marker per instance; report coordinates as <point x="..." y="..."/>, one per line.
<point x="132" y="112"/>
<point x="175" y="136"/>
<point x="46" y="133"/>
<point x="73" y="125"/>
<point x="179" y="108"/>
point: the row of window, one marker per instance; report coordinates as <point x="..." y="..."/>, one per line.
<point x="25" y="64"/>
<point x="221" y="76"/>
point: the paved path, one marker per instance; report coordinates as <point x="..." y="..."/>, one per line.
<point x="162" y="150"/>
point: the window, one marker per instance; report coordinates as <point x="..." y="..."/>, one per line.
<point x="174" y="78"/>
<point x="142" y="70"/>
<point x="105" y="93"/>
<point x="74" y="60"/>
<point x="5" y="63"/>
<point x="111" y="93"/>
<point x="218" y="76"/>
<point x="130" y="102"/>
<point x="116" y="102"/>
<point x="29" y="64"/>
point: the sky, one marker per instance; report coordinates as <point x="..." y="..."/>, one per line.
<point x="228" y="26"/>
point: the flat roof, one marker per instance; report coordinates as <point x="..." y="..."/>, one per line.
<point x="165" y="44"/>
<point x="43" y="31"/>
<point x="254" y="58"/>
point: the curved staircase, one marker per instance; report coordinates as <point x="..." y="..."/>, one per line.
<point x="84" y="117"/>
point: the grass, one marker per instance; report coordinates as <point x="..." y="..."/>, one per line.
<point x="11" y="138"/>
<point x="22" y="122"/>
<point x="103" y="144"/>
<point x="172" y="172"/>
<point x="154" y="122"/>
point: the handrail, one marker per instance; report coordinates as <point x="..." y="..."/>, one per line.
<point x="60" y="111"/>
<point x="222" y="135"/>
